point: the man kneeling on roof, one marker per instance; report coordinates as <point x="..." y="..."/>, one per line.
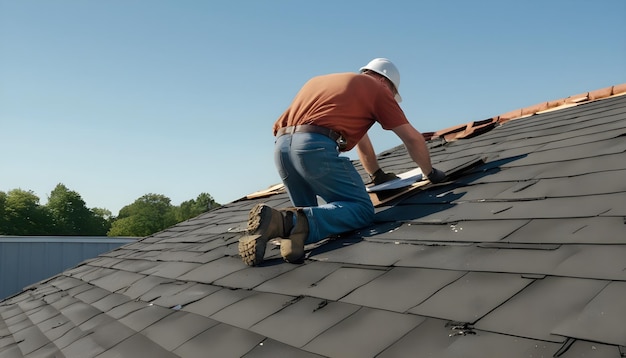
<point x="329" y="115"/>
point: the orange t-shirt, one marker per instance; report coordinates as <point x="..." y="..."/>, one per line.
<point x="347" y="103"/>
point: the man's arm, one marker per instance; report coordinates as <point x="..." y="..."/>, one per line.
<point x="366" y="153"/>
<point x="415" y="145"/>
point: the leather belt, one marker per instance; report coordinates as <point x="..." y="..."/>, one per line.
<point x="308" y="128"/>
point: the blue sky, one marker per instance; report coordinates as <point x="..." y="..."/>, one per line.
<point x="117" y="99"/>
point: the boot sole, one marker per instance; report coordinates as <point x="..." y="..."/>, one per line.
<point x="255" y="217"/>
<point x="250" y="250"/>
<point x="252" y="246"/>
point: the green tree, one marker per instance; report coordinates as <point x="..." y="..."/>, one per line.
<point x="24" y="216"/>
<point x="71" y="216"/>
<point x="148" y="214"/>
<point x="98" y="225"/>
<point x="3" y="215"/>
<point x="192" y="208"/>
<point x="104" y="217"/>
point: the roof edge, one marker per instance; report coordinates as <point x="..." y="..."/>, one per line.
<point x="472" y="129"/>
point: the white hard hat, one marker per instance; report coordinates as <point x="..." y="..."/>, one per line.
<point x="386" y="68"/>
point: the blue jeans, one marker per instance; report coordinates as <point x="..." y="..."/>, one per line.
<point x="309" y="165"/>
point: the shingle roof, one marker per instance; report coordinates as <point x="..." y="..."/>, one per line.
<point x="522" y="256"/>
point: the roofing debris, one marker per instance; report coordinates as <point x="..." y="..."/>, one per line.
<point x="520" y="256"/>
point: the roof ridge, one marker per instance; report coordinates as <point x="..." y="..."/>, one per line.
<point x="474" y="128"/>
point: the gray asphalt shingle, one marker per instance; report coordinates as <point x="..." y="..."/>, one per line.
<point x="520" y="255"/>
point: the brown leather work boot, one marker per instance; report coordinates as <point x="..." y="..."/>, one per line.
<point x="264" y="224"/>
<point x="292" y="247"/>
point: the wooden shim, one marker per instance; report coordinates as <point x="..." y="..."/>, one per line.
<point x="274" y="189"/>
<point x="381" y="197"/>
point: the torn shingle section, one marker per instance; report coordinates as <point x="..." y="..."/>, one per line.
<point x="600" y="320"/>
<point x="537" y="310"/>
<point x="432" y="338"/>
<point x="472" y="296"/>
<point x="397" y="290"/>
<point x="518" y="256"/>
<point x="346" y="338"/>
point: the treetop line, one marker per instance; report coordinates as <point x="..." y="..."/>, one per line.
<point x="66" y="214"/>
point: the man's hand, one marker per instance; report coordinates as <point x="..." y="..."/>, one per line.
<point x="380" y="177"/>
<point x="436" y="176"/>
